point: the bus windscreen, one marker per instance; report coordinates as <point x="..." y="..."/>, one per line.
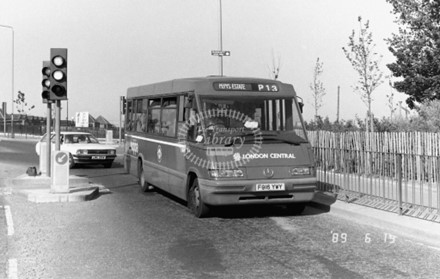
<point x="239" y="113"/>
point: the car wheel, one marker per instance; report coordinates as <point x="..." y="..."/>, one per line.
<point x="71" y="161"/>
<point x="195" y="201"/>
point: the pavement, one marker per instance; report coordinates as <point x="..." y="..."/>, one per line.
<point x="37" y="189"/>
<point x="421" y="231"/>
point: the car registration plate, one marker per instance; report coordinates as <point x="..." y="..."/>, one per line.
<point x="98" y="157"/>
<point x="270" y="187"/>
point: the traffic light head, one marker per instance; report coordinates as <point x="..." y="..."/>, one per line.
<point x="45" y="83"/>
<point x="58" y="74"/>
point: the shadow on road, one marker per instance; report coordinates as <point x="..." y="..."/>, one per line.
<point x="257" y="211"/>
<point x="321" y="204"/>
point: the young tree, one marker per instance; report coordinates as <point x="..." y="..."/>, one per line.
<point x="21" y="104"/>
<point x="417" y="49"/>
<point x="275" y="68"/>
<point x="365" y="61"/>
<point x="390" y="98"/>
<point x="317" y="87"/>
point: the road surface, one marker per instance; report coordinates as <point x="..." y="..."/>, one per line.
<point x="129" y="234"/>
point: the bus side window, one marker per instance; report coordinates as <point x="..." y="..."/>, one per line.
<point x="194" y="127"/>
<point x="183" y="118"/>
<point x="154" y="116"/>
<point x="154" y="121"/>
<point x="169" y="117"/>
<point x="138" y="115"/>
<point x="144" y="116"/>
<point x="128" y="120"/>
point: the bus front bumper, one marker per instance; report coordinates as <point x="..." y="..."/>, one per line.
<point x="236" y="192"/>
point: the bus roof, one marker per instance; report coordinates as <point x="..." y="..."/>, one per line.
<point x="213" y="85"/>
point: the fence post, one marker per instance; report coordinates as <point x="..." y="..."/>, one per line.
<point x="399" y="181"/>
<point x="437" y="178"/>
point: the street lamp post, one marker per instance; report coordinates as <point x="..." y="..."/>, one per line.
<point x="220" y="53"/>
<point x="12" y="74"/>
<point x="221" y="38"/>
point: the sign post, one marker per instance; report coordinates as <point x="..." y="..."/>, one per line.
<point x="4" y="117"/>
<point x="60" y="172"/>
<point x="220" y="54"/>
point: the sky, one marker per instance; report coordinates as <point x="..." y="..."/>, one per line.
<point x="116" y="44"/>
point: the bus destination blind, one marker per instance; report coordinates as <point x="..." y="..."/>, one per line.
<point x="236" y="86"/>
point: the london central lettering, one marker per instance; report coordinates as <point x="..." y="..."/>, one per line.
<point x="269" y="155"/>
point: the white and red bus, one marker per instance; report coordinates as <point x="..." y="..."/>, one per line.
<point x="220" y="141"/>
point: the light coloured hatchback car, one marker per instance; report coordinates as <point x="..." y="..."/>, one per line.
<point x="83" y="148"/>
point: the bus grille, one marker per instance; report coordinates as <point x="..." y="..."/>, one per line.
<point x="250" y="198"/>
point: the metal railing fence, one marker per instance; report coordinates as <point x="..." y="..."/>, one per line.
<point x="404" y="181"/>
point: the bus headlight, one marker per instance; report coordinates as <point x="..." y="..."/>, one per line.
<point x="82" y="152"/>
<point x="112" y="152"/>
<point x="220" y="173"/>
<point x="300" y="171"/>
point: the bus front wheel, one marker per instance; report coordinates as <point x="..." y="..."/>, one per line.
<point x="195" y="201"/>
<point x="296" y="208"/>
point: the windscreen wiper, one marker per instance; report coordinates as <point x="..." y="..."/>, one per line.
<point x="288" y="137"/>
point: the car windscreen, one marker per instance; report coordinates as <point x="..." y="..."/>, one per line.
<point x="79" y="138"/>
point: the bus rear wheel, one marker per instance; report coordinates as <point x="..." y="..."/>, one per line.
<point x="195" y="201"/>
<point x="144" y="185"/>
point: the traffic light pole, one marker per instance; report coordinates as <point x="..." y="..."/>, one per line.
<point x="57" y="124"/>
<point x="120" y="118"/>
<point x="54" y="85"/>
<point x="48" y="141"/>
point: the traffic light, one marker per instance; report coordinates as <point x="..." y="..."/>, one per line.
<point x="123" y="104"/>
<point x="58" y="74"/>
<point x="45" y="81"/>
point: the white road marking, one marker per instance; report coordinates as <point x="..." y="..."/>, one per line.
<point x="12" y="269"/>
<point x="12" y="263"/>
<point x="9" y="222"/>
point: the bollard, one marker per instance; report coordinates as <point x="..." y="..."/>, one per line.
<point x="42" y="159"/>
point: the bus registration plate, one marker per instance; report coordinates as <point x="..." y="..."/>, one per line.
<point x="270" y="187"/>
<point x="98" y="157"/>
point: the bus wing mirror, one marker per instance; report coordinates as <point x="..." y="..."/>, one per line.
<point x="189" y="102"/>
<point x="301" y="105"/>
